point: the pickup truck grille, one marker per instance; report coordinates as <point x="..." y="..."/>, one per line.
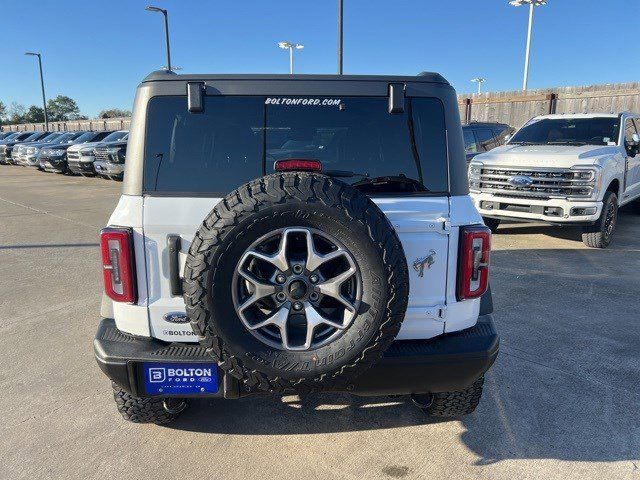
<point x="73" y="155"/>
<point x="106" y="156"/>
<point x="543" y="183"/>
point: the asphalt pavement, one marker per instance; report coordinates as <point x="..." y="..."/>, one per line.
<point x="562" y="400"/>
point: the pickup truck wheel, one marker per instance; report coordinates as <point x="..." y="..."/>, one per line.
<point x="492" y="223"/>
<point x="147" y="410"/>
<point x="451" y="404"/>
<point x="296" y="282"/>
<point x="599" y="234"/>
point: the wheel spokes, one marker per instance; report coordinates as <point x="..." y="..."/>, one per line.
<point x="332" y="288"/>
<point x="261" y="289"/>
<point x="314" y="319"/>
<point x="315" y="259"/>
<point x="279" y="320"/>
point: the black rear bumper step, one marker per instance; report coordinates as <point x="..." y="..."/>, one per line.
<point x="446" y="363"/>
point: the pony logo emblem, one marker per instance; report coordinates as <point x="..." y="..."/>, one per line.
<point x="421" y="262"/>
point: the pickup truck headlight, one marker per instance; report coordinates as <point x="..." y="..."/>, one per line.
<point x="587" y="181"/>
<point x="475" y="169"/>
<point x="56" y="152"/>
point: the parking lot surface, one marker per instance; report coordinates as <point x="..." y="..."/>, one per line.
<point x="562" y="401"/>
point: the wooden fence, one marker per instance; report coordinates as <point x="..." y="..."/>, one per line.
<point x="97" y="125"/>
<point x="513" y="108"/>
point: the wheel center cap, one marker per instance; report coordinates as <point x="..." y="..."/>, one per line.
<point x="297" y="289"/>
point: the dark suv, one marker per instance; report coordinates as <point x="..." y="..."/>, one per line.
<point x="481" y="137"/>
<point x="7" y="146"/>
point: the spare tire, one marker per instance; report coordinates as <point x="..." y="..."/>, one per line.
<point x="296" y="282"/>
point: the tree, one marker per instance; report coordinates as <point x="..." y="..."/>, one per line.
<point x="114" y="113"/>
<point x="63" y="108"/>
<point x="34" y="115"/>
<point x="3" y="112"/>
<point x="16" y="113"/>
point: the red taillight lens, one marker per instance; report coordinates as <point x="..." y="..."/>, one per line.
<point x="297" y="164"/>
<point x="473" y="266"/>
<point x="118" y="264"/>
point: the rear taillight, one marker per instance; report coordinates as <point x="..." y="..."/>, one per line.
<point x="118" y="264"/>
<point x="473" y="266"/>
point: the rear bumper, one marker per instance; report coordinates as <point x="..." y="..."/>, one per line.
<point x="446" y="363"/>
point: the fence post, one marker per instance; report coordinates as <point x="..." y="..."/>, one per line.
<point x="552" y="98"/>
<point x="467" y="110"/>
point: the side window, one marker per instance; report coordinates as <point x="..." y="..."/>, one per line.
<point x="470" y="145"/>
<point x="211" y="152"/>
<point x="99" y="136"/>
<point x="485" y="139"/>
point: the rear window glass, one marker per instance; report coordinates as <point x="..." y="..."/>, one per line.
<point x="236" y="139"/>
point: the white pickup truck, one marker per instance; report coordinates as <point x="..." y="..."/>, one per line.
<point x="562" y="169"/>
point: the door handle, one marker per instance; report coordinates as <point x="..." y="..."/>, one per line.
<point x="175" y="283"/>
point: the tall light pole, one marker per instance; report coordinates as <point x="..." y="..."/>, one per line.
<point x="44" y="99"/>
<point x="290" y="46"/>
<point x="151" y="8"/>
<point x="532" y="5"/>
<point x="340" y="12"/>
<point x="479" y="81"/>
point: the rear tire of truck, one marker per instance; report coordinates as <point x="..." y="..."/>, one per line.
<point x="492" y="223"/>
<point x="296" y="282"/>
<point x="450" y="404"/>
<point x="600" y="234"/>
<point x="149" y="409"/>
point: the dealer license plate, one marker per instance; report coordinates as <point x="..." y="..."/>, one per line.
<point x="180" y="378"/>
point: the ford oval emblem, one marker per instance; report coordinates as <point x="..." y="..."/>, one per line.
<point x="175" y="317"/>
<point x="520" y="181"/>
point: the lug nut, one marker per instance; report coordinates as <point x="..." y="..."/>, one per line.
<point x="313" y="296"/>
<point x="297" y="306"/>
<point x="280" y="278"/>
<point x="313" y="278"/>
<point x="281" y="297"/>
<point x="297" y="268"/>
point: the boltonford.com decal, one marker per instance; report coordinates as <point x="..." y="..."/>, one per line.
<point x="310" y="102"/>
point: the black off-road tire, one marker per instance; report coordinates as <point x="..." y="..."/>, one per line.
<point x="491" y="223"/>
<point x="599" y="235"/>
<point x="452" y="404"/>
<point x="147" y="410"/>
<point x="305" y="200"/>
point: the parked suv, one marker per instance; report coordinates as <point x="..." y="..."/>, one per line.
<point x="110" y="157"/>
<point x="481" y="137"/>
<point x="80" y="158"/>
<point x="26" y="154"/>
<point x="54" y="158"/>
<point x="7" y="146"/>
<point x="300" y="233"/>
<point x="562" y="169"/>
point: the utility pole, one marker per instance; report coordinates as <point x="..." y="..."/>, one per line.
<point x="151" y="8"/>
<point x="44" y="99"/>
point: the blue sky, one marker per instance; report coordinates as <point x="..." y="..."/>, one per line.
<point x="97" y="51"/>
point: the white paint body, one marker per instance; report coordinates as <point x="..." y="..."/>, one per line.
<point x="612" y="163"/>
<point x="424" y="224"/>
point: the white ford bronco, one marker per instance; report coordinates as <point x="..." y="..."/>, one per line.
<point x="562" y="169"/>
<point x="290" y="234"/>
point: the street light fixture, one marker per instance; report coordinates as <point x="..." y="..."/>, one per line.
<point x="44" y="100"/>
<point x="479" y="81"/>
<point x="151" y="8"/>
<point x="532" y="4"/>
<point x="290" y="46"/>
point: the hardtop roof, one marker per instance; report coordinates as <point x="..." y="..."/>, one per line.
<point x="166" y="76"/>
